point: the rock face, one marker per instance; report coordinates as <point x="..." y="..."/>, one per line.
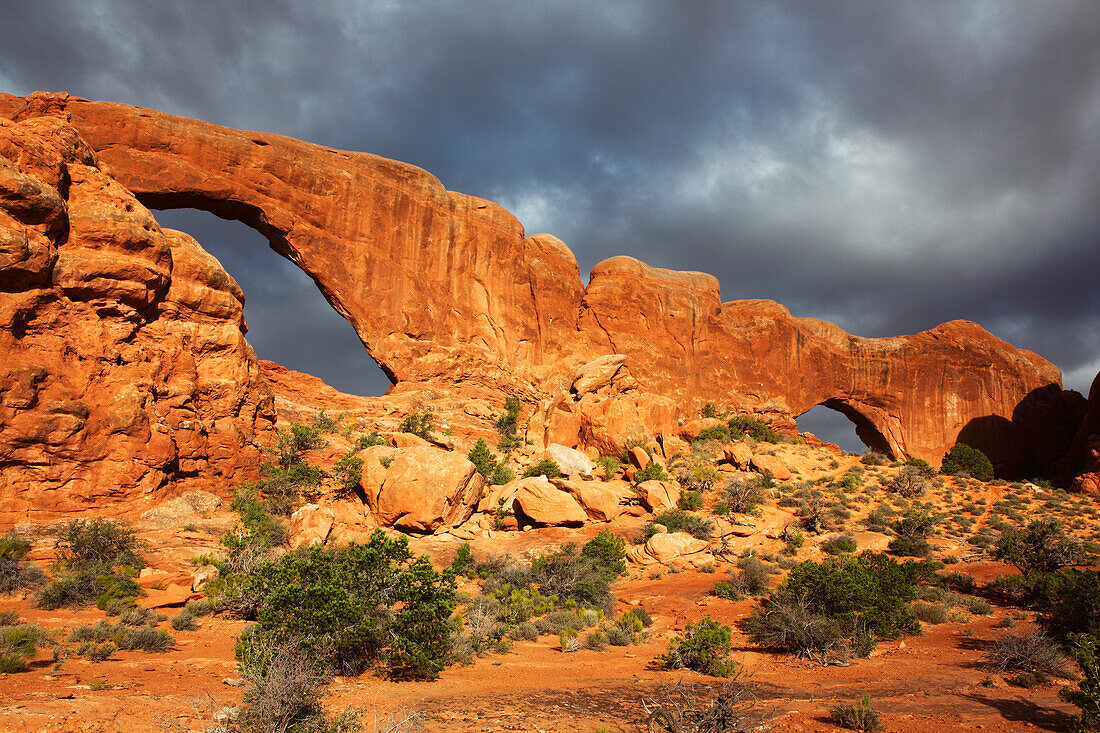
<point x="446" y="293"/>
<point x="1080" y="469"/>
<point x="425" y="488"/>
<point x="123" y="362"/>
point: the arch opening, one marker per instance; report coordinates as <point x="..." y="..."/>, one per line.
<point x="837" y="422"/>
<point x="289" y="320"/>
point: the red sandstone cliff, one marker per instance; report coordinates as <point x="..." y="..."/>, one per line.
<point x="447" y="293"/>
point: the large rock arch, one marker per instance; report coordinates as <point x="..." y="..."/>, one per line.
<point x="445" y="289"/>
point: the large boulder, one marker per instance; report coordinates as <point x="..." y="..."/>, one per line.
<point x="602" y="500"/>
<point x="658" y="495"/>
<point x="543" y="503"/>
<point x="310" y="526"/>
<point x="571" y="461"/>
<point x="426" y="488"/>
<point x="771" y="465"/>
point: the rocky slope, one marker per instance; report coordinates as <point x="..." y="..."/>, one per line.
<point x="446" y="293"/>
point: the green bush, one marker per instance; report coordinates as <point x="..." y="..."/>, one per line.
<point x="15" y="572"/>
<point x="1086" y="650"/>
<point x="97" y="563"/>
<point x="609" y="464"/>
<point x="122" y="636"/>
<point x="690" y="500"/>
<point x="821" y="604"/>
<point x="572" y="576"/>
<point x="325" y="423"/>
<point x="839" y="544"/>
<point x="608" y="551"/>
<point x="921" y="465"/>
<point x="18" y="644"/>
<point x="718" y="433"/>
<point x="370" y="440"/>
<point x="348" y="472"/>
<point x="704" y="647"/>
<point x="419" y="424"/>
<point x="677" y="520"/>
<point x="545" y="467"/>
<point x="1028" y="652"/>
<point x="653" y="471"/>
<point x="1069" y="602"/>
<point x="495" y="471"/>
<point x="295" y="440"/>
<point x="508" y="423"/>
<point x="874" y="458"/>
<point x="356" y="606"/>
<point x="1044" y="547"/>
<point x="860" y="716"/>
<point x="741" y="426"/>
<point x="964" y="459"/>
<point x="699" y="477"/>
<point x="909" y="483"/>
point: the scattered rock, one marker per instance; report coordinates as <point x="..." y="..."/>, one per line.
<point x="543" y="503"/>
<point x="658" y="495"/>
<point x="772" y="465"/>
<point x="571" y="461"/>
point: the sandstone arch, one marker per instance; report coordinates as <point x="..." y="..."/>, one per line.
<point x="446" y="289"/>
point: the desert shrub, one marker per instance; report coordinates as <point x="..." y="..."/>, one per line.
<point x="907" y="546"/>
<point x="282" y="487"/>
<point x="880" y="518"/>
<point x="97" y="563"/>
<point x="653" y="471"/>
<point x="348" y="472"/>
<point x="912" y="531"/>
<point x="295" y="440"/>
<point x="839" y="544"/>
<point x="1044" y="547"/>
<point x="741" y="496"/>
<point x="284" y="693"/>
<point x="717" y="432"/>
<point x="9" y="617"/>
<point x="418" y="424"/>
<point x="741" y="426"/>
<point x="608" y="551"/>
<point x="699" y="477"/>
<point x="122" y="636"/>
<point x="325" y="423"/>
<point x="727" y="589"/>
<point x="1069" y="602"/>
<point x="609" y="464"/>
<point x="874" y="458"/>
<point x="484" y="460"/>
<point x="979" y="606"/>
<point x="257" y="526"/>
<point x="819" y="604"/>
<point x="930" y="613"/>
<point x="15" y="572"/>
<point x="618" y="636"/>
<point x="138" y="616"/>
<point x="356" y="606"/>
<point x="370" y="440"/>
<point x="908" y="483"/>
<point x="964" y="459"/>
<point x="1029" y="652"/>
<point x="704" y="647"/>
<point x="18" y="644"/>
<point x="463" y="562"/>
<point x="860" y="716"/>
<point x="508" y="423"/>
<point x="596" y="640"/>
<point x="545" y="467"/>
<point x="690" y="500"/>
<point x="584" y="579"/>
<point x="677" y="520"/>
<point x="1086" y="650"/>
<point x="184" y="621"/>
<point x="94" y="652"/>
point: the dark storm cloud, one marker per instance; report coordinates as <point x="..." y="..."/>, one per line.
<point x="887" y="166"/>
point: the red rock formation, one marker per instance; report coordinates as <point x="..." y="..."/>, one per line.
<point x="447" y="294"/>
<point x="1080" y="469"/>
<point x="123" y="363"/>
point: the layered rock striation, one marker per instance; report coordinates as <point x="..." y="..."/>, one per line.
<point x="448" y="294"/>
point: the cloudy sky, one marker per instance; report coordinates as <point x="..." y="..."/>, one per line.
<point x="885" y="166"/>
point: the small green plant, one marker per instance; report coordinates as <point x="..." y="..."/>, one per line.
<point x="861" y="716"/>
<point x="97" y="563"/>
<point x="508" y="423"/>
<point x="921" y="465"/>
<point x="609" y="465"/>
<point x="719" y="433"/>
<point x="419" y="424"/>
<point x="295" y="440"/>
<point x="18" y="644"/>
<point x="348" y="472"/>
<point x="839" y="544"/>
<point x="325" y="423"/>
<point x="653" y="471"/>
<point x="15" y="572"/>
<point x="370" y="440"/>
<point x="741" y="426"/>
<point x="1086" y="650"/>
<point x="704" y="647"/>
<point x="964" y="459"/>
<point x="1044" y="547"/>
<point x="545" y="467"/>
<point x="690" y="500"/>
<point x="677" y="520"/>
<point x="741" y="496"/>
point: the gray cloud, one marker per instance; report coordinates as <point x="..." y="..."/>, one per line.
<point x="886" y="166"/>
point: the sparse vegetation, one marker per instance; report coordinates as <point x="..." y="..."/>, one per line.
<point x="97" y="563"/>
<point x="677" y="520"/>
<point x="742" y="426"/>
<point x="861" y="716"/>
<point x="15" y="572"/>
<point x="545" y="467"/>
<point x="741" y="496"/>
<point x="653" y="471"/>
<point x="704" y="647"/>
<point x="419" y="424"/>
<point x="508" y="423"/>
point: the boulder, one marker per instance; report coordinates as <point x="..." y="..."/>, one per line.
<point x="658" y="495"/>
<point x="665" y="548"/>
<point x="692" y="428"/>
<point x="543" y="503"/>
<point x="602" y="500"/>
<point x="427" y="488"/>
<point x="310" y="526"/>
<point x="571" y="461"/>
<point x="202" y="575"/>
<point x="184" y="509"/>
<point x="772" y="465"/>
<point x="738" y="454"/>
<point x="408" y="440"/>
<point x="639" y="457"/>
<point x="596" y="374"/>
